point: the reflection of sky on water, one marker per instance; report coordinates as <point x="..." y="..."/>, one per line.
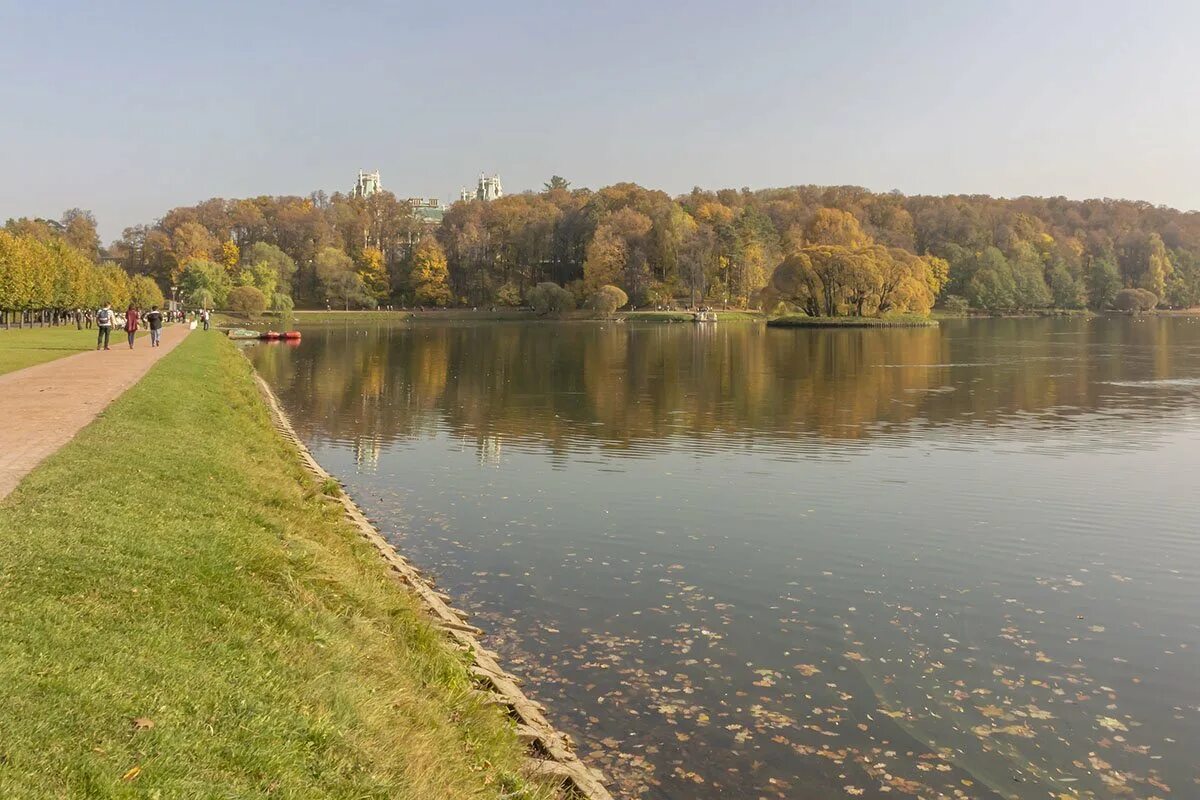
<point x="983" y="597"/>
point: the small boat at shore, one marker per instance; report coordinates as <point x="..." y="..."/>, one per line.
<point x="269" y="336"/>
<point x="242" y="333"/>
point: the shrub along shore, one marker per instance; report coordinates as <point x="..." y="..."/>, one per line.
<point x="184" y="614"/>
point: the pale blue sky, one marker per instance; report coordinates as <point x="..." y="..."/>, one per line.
<point x="131" y="108"/>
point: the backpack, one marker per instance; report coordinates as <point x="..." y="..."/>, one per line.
<point x="104" y="317"/>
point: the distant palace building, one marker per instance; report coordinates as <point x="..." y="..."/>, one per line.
<point x="367" y="184"/>
<point x="488" y="189"/>
<point x="430" y="210"/>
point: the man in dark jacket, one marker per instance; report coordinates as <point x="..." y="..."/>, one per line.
<point x="154" y="319"/>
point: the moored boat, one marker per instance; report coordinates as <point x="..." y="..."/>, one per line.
<point x="242" y="333"/>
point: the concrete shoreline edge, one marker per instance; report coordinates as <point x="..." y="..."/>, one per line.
<point x="549" y="751"/>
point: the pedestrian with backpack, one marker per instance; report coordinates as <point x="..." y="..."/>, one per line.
<point x="104" y="321"/>
<point x="154" y="320"/>
<point x="131" y="324"/>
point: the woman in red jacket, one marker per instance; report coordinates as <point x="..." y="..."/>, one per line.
<point x="131" y="324"/>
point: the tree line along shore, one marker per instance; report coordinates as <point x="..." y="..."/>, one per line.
<point x="203" y="619"/>
<point x="817" y="251"/>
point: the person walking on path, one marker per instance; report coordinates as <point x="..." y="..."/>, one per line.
<point x="204" y="318"/>
<point x="104" y="321"/>
<point x="131" y="324"/>
<point x="154" y="320"/>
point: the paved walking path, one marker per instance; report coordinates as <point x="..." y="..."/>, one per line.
<point x="42" y="407"/>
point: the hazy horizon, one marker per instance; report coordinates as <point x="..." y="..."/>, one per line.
<point x="130" y="111"/>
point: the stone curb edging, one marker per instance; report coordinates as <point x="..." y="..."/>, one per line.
<point x="549" y="751"/>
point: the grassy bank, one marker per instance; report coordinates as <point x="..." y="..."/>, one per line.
<point x="894" y="321"/>
<point x="183" y="615"/>
<point x="24" y="347"/>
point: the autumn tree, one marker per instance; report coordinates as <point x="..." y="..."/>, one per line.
<point x="18" y="263"/>
<point x="340" y="284"/>
<point x="795" y="280"/>
<point x="1158" y="267"/>
<point x="230" y="255"/>
<point x="1134" y="300"/>
<point x="261" y="276"/>
<point x="827" y="280"/>
<point x="113" y="285"/>
<point x="617" y="253"/>
<point x="79" y="231"/>
<point x="550" y="298"/>
<point x="697" y="256"/>
<point x="205" y="283"/>
<point x="145" y="293"/>
<point x="607" y="299"/>
<point x="247" y="301"/>
<point x="191" y="241"/>
<point x="41" y="271"/>
<point x="1103" y="283"/>
<point x="835" y="228"/>
<point x="430" y="277"/>
<point x="274" y="259"/>
<point x="373" y="273"/>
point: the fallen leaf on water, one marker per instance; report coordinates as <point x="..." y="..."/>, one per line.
<point x="1021" y="731"/>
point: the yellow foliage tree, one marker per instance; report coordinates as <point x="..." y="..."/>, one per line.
<point x="191" y="241"/>
<point x="230" y="255"/>
<point x="830" y="280"/>
<point x="114" y="285"/>
<point x="835" y="228"/>
<point x="605" y="258"/>
<point x="430" y="276"/>
<point x="753" y="272"/>
<point x="374" y="274"/>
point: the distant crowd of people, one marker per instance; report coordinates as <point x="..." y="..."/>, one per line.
<point x="132" y="320"/>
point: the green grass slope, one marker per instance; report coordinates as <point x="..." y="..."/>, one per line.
<point x="182" y="615"/>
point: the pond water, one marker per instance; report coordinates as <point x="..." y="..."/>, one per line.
<point x="753" y="563"/>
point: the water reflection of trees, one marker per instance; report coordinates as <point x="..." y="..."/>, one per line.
<point x="619" y="386"/>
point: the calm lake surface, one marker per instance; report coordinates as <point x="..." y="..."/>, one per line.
<point x="747" y="563"/>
